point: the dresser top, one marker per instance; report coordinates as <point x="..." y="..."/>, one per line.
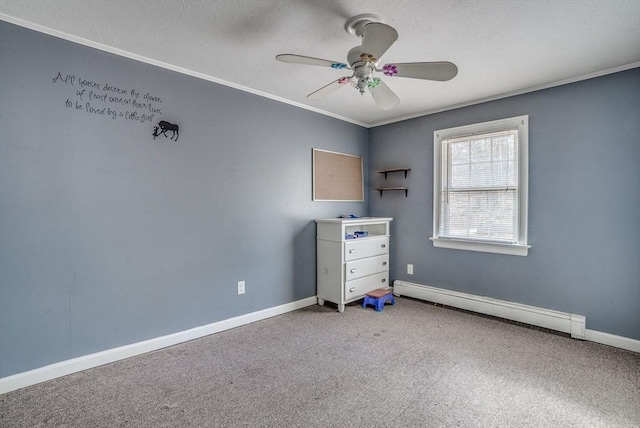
<point x="354" y="220"/>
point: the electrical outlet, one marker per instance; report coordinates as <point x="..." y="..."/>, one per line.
<point x="240" y="287"/>
<point x="410" y="269"/>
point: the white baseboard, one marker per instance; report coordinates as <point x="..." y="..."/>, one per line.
<point x="546" y="318"/>
<point x="63" y="368"/>
<point x="613" y="340"/>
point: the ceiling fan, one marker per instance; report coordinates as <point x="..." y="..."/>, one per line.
<point x="377" y="38"/>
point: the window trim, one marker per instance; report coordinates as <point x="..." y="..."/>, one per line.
<point x="521" y="248"/>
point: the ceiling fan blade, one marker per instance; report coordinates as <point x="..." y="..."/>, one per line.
<point x="299" y="59"/>
<point x="330" y="88"/>
<point x="383" y="95"/>
<point x="440" y="71"/>
<point x="377" y="38"/>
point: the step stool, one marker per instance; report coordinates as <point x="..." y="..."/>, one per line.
<point x="377" y="298"/>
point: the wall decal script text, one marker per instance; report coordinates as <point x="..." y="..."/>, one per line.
<point x="111" y="101"/>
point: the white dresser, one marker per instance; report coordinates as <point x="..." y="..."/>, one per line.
<point x="348" y="268"/>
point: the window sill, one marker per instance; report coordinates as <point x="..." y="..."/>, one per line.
<point x="485" y="247"/>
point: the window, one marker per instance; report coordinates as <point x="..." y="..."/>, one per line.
<point x="480" y="187"/>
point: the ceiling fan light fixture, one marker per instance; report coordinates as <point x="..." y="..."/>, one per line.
<point x="377" y="37"/>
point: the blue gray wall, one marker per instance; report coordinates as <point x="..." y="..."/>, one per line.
<point x="109" y="237"/>
<point x="584" y="203"/>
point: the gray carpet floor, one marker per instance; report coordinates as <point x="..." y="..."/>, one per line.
<point x="413" y="365"/>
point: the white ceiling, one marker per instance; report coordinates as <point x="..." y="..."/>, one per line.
<point x="501" y="47"/>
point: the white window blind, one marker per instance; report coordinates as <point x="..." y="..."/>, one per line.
<point x="480" y="188"/>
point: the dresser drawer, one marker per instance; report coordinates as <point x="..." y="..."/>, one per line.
<point x="365" y="267"/>
<point x="366" y="248"/>
<point x="361" y="286"/>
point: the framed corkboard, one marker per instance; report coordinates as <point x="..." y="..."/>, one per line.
<point x="337" y="177"/>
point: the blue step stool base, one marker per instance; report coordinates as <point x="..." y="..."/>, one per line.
<point x="378" y="302"/>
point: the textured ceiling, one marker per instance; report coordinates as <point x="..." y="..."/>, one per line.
<point x="500" y="47"/>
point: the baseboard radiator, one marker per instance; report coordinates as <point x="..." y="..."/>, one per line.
<point x="553" y="320"/>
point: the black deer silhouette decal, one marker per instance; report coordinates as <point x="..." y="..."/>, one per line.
<point x="163" y="127"/>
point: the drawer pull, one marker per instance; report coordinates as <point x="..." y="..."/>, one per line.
<point x="384" y="263"/>
<point x="383" y="246"/>
<point x="351" y="251"/>
<point x="352" y="289"/>
<point x="383" y="280"/>
<point x="353" y="270"/>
